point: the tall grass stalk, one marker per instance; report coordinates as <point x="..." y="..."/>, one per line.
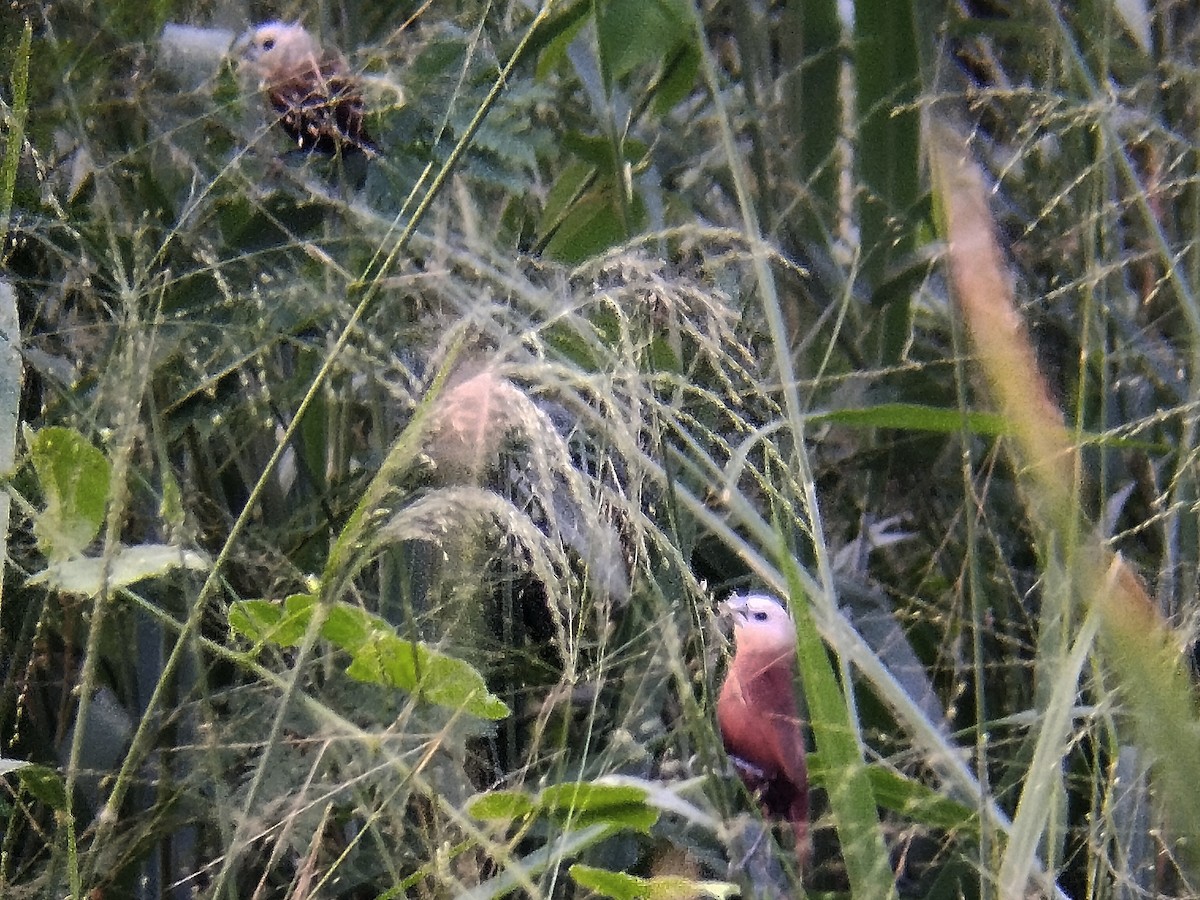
<point x="1139" y="646"/>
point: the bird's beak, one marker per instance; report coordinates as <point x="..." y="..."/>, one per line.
<point x="734" y="608"/>
<point x="243" y="48"/>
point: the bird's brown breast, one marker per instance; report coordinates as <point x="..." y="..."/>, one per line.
<point x="756" y="712"/>
<point x="761" y="729"/>
<point x="759" y="718"/>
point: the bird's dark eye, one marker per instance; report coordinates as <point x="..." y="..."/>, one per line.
<point x="269" y="43"/>
<point x="760" y="616"/>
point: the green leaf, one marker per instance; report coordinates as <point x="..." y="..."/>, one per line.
<point x="45" y="784"/>
<point x="593" y="224"/>
<point x="947" y="420"/>
<point x="431" y="674"/>
<point x="678" y="79"/>
<point x="254" y="619"/>
<point x="377" y="654"/>
<point x="921" y="803"/>
<point x="353" y="628"/>
<point x="587" y="210"/>
<point x="85" y="575"/>
<point x="501" y="806"/>
<point x="265" y="620"/>
<point x="852" y="801"/>
<point x="661" y="356"/>
<point x="629" y="887"/>
<point x="556" y="34"/>
<point x="634" y="33"/>
<point x="298" y="612"/>
<point x="583" y="803"/>
<point x="916" y="801"/>
<point x="74" y="477"/>
<point x="598" y="151"/>
<point x="567" y="188"/>
<point x="578" y="804"/>
<point x="564" y="337"/>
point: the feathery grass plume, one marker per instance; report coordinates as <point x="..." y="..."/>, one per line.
<point x="471" y="423"/>
<point x="319" y="102"/>
<point x="485" y="415"/>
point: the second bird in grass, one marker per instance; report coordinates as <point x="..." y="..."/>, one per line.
<point x="319" y="102"/>
<point x="758" y="716"/>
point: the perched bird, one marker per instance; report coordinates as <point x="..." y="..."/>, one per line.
<point x="319" y="102"/>
<point x="757" y="713"/>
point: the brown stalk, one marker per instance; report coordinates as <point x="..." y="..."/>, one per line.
<point x="1138" y="646"/>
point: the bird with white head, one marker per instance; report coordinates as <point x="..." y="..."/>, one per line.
<point x="319" y="102"/>
<point x="758" y="716"/>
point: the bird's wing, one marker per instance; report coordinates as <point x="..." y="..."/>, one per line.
<point x="786" y="726"/>
<point x="789" y="792"/>
<point x="323" y="109"/>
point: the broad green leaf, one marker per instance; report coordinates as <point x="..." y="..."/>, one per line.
<point x="431" y="674"/>
<point x="594" y="223"/>
<point x="501" y="805"/>
<point x="377" y="654"/>
<point x="598" y="151"/>
<point x="662" y="357"/>
<point x="255" y="619"/>
<point x="633" y="33"/>
<point x="630" y="887"/>
<point x="666" y="797"/>
<point x="556" y="34"/>
<point x="585" y="210"/>
<point x="678" y="79"/>
<point x="352" y="628"/>
<point x="44" y="783"/>
<point x="567" y="188"/>
<point x="573" y="347"/>
<point x="577" y="803"/>
<point x="265" y="620"/>
<point x="920" y="803"/>
<point x="85" y="575"/>
<point x="584" y="803"/>
<point x="300" y="605"/>
<point x="74" y="478"/>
